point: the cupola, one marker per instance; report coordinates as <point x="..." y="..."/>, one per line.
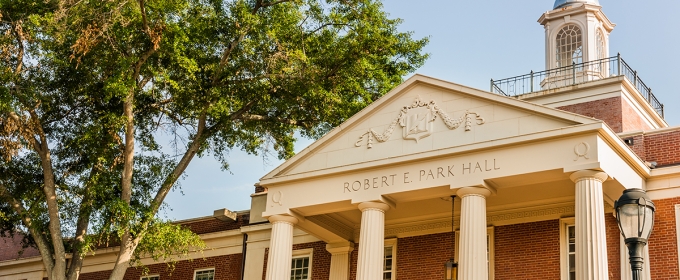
<point x="576" y="31"/>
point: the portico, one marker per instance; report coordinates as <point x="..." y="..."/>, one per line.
<point x="387" y="171"/>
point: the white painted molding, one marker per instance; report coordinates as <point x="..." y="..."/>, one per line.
<point x="677" y="231"/>
<point x="496" y="219"/>
<point x="393" y="242"/>
<point x="564" y="247"/>
<point x="333" y="225"/>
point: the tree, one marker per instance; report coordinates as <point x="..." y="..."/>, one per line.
<point x="89" y="88"/>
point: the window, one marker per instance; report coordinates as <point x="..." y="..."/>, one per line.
<point x="600" y="67"/>
<point x="151" y="277"/>
<point x="204" y="274"/>
<point x="571" y="251"/>
<point x="569" y="47"/>
<point x="600" y="45"/>
<point x="389" y="260"/>
<point x="299" y="269"/>
<point x="301" y="264"/>
<point x="568" y="249"/>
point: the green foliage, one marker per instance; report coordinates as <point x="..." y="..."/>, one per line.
<point x="202" y="76"/>
<point x="180" y="240"/>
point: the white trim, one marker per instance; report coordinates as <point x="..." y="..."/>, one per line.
<point x="304" y="253"/>
<point x="677" y="232"/>
<point x="564" y="246"/>
<point x="147" y="277"/>
<point x="492" y="252"/>
<point x="204" y="269"/>
<point x="392" y="242"/>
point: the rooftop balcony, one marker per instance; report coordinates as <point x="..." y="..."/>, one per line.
<point x="573" y="75"/>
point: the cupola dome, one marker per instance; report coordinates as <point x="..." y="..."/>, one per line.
<point x="563" y="3"/>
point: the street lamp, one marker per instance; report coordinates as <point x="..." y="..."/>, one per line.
<point x="635" y="215"/>
<point x="451" y="266"/>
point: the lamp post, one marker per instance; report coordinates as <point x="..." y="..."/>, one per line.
<point x="635" y="216"/>
<point x="452" y="266"/>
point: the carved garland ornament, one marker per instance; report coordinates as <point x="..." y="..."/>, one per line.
<point x="418" y="126"/>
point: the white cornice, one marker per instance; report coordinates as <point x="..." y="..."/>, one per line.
<point x="561" y="13"/>
<point x="595" y="125"/>
<point x="649" y="132"/>
<point x="495" y="218"/>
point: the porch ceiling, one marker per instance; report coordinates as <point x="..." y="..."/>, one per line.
<point x="519" y="198"/>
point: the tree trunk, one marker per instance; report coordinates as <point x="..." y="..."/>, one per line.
<point x="127" y="248"/>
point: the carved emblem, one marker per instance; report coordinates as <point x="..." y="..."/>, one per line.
<point x="417" y="122"/>
<point x="581" y="150"/>
<point x="276" y="198"/>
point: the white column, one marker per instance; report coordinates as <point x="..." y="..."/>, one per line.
<point x="472" y="262"/>
<point x="591" y="238"/>
<point x="280" y="247"/>
<point x="371" y="240"/>
<point x="339" y="260"/>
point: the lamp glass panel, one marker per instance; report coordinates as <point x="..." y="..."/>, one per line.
<point x="628" y="218"/>
<point x="451" y="270"/>
<point x="648" y="222"/>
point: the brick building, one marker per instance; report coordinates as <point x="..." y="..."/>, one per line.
<point x="535" y="166"/>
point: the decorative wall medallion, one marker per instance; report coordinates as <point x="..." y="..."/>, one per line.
<point x="417" y="122"/>
<point x="276" y="198"/>
<point x="581" y="150"/>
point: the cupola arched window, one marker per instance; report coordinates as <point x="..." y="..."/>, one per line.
<point x="600" y="45"/>
<point x="569" y="46"/>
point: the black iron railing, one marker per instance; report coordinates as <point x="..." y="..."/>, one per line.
<point x="575" y="74"/>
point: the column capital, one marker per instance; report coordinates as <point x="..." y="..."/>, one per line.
<point x="283" y="218"/>
<point x="373" y="205"/>
<point x="462" y="192"/>
<point x="582" y="174"/>
<point x="340" y="248"/>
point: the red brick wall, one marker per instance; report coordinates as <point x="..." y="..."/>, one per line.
<point x="613" y="246"/>
<point x="226" y="267"/>
<point x="215" y="225"/>
<point x="663" y="249"/>
<point x="631" y="120"/>
<point x="353" y="257"/>
<point x="609" y="110"/>
<point x="528" y="251"/>
<point x="11" y="248"/>
<point x="259" y="189"/>
<point x="614" y="111"/>
<point x="664" y="148"/>
<point x="423" y="257"/>
<point x="638" y="146"/>
<point x="321" y="260"/>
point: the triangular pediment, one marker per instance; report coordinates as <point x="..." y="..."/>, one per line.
<point x="424" y="115"/>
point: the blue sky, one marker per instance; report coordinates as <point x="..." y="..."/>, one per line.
<point x="471" y="42"/>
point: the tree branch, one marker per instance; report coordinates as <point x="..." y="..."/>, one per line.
<point x="253" y="117"/>
<point x="18" y="32"/>
<point x="227" y="52"/>
<point x="81" y="229"/>
<point x="43" y="247"/>
<point x="145" y="24"/>
<point x="269" y="4"/>
<point x="326" y="25"/>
